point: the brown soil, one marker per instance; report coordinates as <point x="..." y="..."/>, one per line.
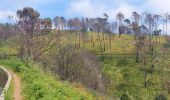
<point x="17" y="87"/>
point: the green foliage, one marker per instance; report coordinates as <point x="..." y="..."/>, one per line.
<point x="125" y="97"/>
<point x="161" y="97"/>
<point x="9" y="93"/>
<point x="123" y="73"/>
<point x="122" y="62"/>
<point x="130" y="78"/>
<point x="38" y="85"/>
<point x="79" y="65"/>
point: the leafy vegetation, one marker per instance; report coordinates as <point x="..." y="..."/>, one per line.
<point x="39" y="85"/>
<point x="79" y="53"/>
<point x="9" y="93"/>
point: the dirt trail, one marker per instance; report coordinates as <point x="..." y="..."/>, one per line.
<point x="17" y="87"/>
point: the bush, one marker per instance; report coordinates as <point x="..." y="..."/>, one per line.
<point x="161" y="97"/>
<point x="122" y="62"/>
<point x="38" y="91"/>
<point x="125" y="97"/>
<point x="38" y="85"/>
<point x="17" y="69"/>
<point x="77" y="65"/>
<point x="3" y="56"/>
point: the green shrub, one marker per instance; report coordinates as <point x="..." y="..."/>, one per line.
<point x="125" y="97"/>
<point x="3" y="56"/>
<point x="38" y="85"/>
<point x="38" y="91"/>
<point x="79" y="65"/>
<point x="161" y="97"/>
<point x="122" y="62"/>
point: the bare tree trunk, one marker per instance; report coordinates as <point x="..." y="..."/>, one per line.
<point x="110" y="43"/>
<point x="100" y="42"/>
<point x="91" y="37"/>
<point x="83" y="38"/>
<point x="163" y="65"/>
<point x="79" y="44"/>
<point x="104" y="45"/>
<point x="145" y="72"/>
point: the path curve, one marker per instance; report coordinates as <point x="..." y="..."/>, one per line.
<point x="17" y="93"/>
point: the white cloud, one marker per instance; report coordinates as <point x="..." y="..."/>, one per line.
<point x="5" y="13"/>
<point x="126" y="9"/>
<point x="95" y="8"/>
<point x="88" y="8"/>
<point x="158" y="6"/>
<point x="84" y="8"/>
<point x="33" y="2"/>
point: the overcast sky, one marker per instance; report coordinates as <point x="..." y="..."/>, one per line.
<point x="83" y="8"/>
